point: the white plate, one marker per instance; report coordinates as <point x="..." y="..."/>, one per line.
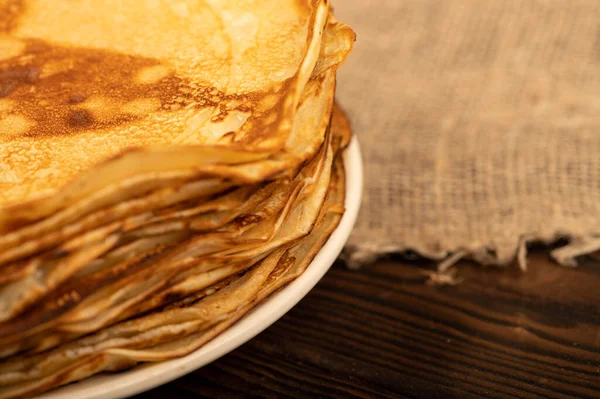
<point x="148" y="376"/>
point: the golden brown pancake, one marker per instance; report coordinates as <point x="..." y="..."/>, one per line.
<point x="168" y="164"/>
<point x="158" y="336"/>
<point x="16" y="295"/>
<point x="145" y="74"/>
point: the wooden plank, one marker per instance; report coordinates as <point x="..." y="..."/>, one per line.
<point x="383" y="332"/>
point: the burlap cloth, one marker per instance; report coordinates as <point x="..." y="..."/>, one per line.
<point x="479" y="122"/>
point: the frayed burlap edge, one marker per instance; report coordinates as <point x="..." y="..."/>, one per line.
<point x="357" y="256"/>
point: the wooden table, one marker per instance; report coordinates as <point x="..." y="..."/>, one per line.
<point x="383" y="332"/>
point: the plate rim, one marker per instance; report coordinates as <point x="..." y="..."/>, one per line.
<point x="149" y="376"/>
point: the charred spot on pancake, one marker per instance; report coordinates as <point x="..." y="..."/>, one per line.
<point x="6" y="87"/>
<point x="248" y="219"/>
<point x="173" y="297"/>
<point x="80" y="118"/>
<point x="60" y="253"/>
<point x="76" y="98"/>
<point x="11" y="78"/>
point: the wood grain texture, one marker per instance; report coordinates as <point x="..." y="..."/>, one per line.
<point x="382" y="332"/>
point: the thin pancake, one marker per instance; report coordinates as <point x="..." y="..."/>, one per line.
<point x="13" y="247"/>
<point x="201" y="45"/>
<point x="150" y="328"/>
<point x="108" y="286"/>
<point x="301" y="221"/>
<point x="197" y="322"/>
<point x="301" y="144"/>
<point x="319" y="91"/>
<point x="201" y="80"/>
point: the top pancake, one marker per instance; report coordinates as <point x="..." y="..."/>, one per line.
<point x="83" y="81"/>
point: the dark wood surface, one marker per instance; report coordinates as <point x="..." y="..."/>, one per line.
<point x="383" y="332"/>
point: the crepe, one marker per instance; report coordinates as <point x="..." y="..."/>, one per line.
<point x="208" y="80"/>
<point x="179" y="329"/>
<point x="186" y="164"/>
<point x="18" y="294"/>
<point x="302" y="143"/>
<point x="279" y="219"/>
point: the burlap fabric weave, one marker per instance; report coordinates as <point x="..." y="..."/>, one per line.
<point x="479" y="122"/>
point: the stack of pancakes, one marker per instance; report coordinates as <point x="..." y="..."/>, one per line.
<point x="165" y="165"/>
